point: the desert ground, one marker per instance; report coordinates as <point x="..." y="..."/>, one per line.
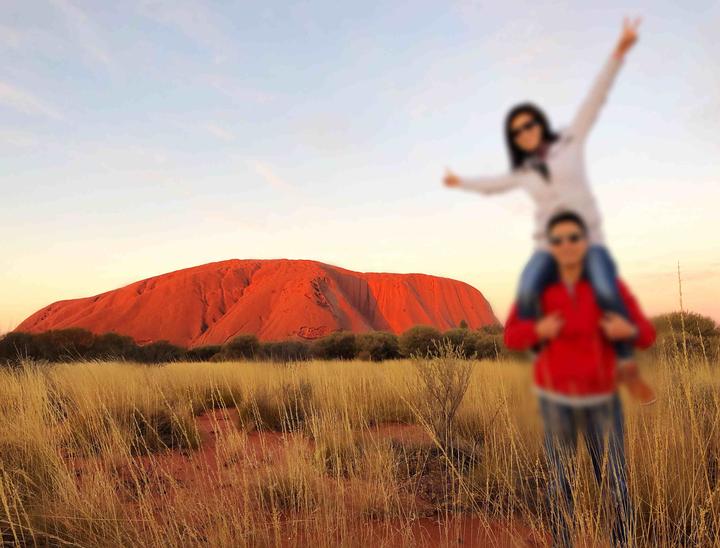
<point x="417" y="452"/>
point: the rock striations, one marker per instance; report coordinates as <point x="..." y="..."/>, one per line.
<point x="275" y="299"/>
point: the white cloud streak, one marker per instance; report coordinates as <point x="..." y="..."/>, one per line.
<point x="192" y="19"/>
<point x="269" y="176"/>
<point x="84" y="30"/>
<point x="24" y="101"/>
<point x="237" y="91"/>
<point x="220" y="132"/>
<point x="17" y="139"/>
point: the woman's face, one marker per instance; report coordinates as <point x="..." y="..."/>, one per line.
<point x="526" y="131"/>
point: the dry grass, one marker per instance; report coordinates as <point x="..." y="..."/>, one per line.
<point x="328" y="453"/>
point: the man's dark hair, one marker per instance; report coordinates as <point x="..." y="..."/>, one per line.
<point x="565" y="217"/>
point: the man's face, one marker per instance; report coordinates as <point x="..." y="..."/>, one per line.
<point x="568" y="244"/>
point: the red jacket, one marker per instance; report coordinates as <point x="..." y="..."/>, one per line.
<point x="580" y="361"/>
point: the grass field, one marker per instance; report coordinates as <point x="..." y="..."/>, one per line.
<point x="331" y="454"/>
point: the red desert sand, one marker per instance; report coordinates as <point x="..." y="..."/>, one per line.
<point x="275" y="299"/>
<point x="175" y="474"/>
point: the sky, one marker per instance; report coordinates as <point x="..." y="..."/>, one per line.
<point x="141" y="137"/>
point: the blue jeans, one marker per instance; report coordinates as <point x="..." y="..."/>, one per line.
<point x="600" y="270"/>
<point x="603" y="429"/>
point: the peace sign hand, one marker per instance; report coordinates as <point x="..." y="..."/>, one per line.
<point x="628" y="37"/>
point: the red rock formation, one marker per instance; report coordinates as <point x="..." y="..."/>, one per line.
<point x="274" y="299"/>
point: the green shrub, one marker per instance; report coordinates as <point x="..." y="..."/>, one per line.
<point x="241" y="347"/>
<point x="109" y="346"/>
<point x="492" y="329"/>
<point x="675" y="347"/>
<point x="420" y="339"/>
<point x="701" y="338"/>
<point x="71" y="344"/>
<point x="159" y="352"/>
<point x="15" y="346"/>
<point x="341" y="345"/>
<point x="695" y="324"/>
<point x="488" y="346"/>
<point x="462" y="339"/>
<point x="483" y="344"/>
<point x="378" y="346"/>
<point x="285" y="351"/>
<point x="203" y="353"/>
<point x="59" y="345"/>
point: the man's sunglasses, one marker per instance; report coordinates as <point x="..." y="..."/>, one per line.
<point x="527" y="125"/>
<point x="573" y="238"/>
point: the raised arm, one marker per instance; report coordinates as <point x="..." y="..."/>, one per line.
<point x="592" y="104"/>
<point x="589" y="109"/>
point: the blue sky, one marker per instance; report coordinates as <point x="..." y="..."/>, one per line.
<point x="141" y="137"/>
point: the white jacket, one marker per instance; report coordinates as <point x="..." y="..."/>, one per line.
<point x="568" y="187"/>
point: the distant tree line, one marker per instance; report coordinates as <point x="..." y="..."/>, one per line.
<point x="73" y="344"/>
<point x="679" y="335"/>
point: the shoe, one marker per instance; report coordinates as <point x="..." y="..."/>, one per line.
<point x="629" y="375"/>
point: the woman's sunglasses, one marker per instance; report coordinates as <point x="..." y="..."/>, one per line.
<point x="573" y="238"/>
<point x="527" y="125"/>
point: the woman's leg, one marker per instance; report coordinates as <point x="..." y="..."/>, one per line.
<point x="538" y="272"/>
<point x="602" y="273"/>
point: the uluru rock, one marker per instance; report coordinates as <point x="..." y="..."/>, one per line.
<point x="275" y="299"/>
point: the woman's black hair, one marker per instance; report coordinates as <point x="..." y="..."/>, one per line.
<point x="517" y="155"/>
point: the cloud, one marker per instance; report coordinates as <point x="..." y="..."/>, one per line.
<point x="84" y="30"/>
<point x="269" y="175"/>
<point x="238" y="91"/>
<point x="26" y="102"/>
<point x="17" y="138"/>
<point x="10" y="37"/>
<point x="31" y="39"/>
<point x="220" y="132"/>
<point x="328" y="132"/>
<point x="192" y="19"/>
